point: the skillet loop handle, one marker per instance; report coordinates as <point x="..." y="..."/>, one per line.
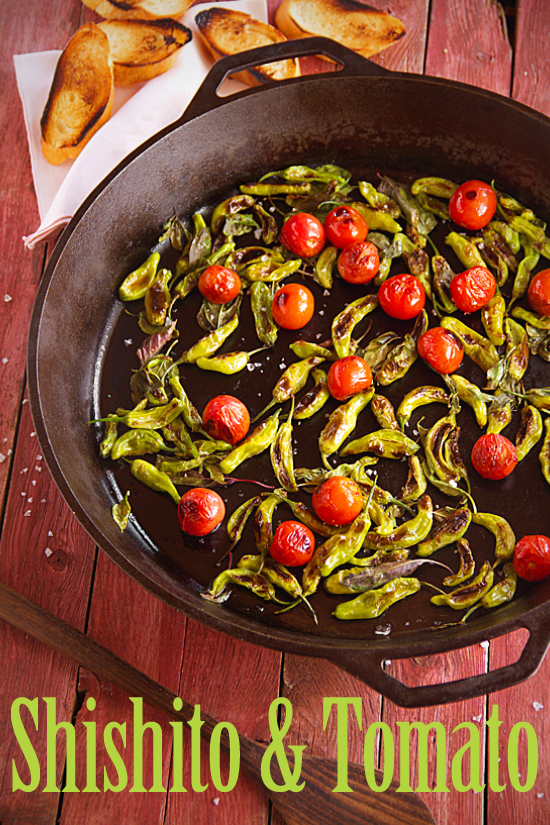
<point x="370" y="670"/>
<point x="207" y="98"/>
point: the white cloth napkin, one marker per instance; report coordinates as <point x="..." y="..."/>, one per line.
<point x="139" y="111"/>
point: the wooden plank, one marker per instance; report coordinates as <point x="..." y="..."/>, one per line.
<point x="468" y="41"/>
<point x="45" y="555"/>
<point x="532" y="64"/>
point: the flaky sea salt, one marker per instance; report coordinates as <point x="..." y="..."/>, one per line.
<point x="7" y="298"/>
<point x="538" y="706"/>
<point x="48" y="552"/>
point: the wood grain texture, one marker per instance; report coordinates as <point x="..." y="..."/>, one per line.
<point x="532" y="64"/>
<point x="46" y="555"/>
<point x="468" y="41"/>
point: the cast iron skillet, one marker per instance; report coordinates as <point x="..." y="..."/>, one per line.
<point x="365" y="119"/>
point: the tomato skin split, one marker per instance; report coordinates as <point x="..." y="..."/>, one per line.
<point x="359" y="262"/>
<point x="293" y="544"/>
<point x="494" y="456"/>
<point x="532" y="558"/>
<point x="473" y="205"/>
<point x="219" y="285"/>
<point x="200" y="511"/>
<point x="441" y="350"/>
<point x="226" y="418"/>
<point x="473" y="289"/>
<point x="402" y="297"/>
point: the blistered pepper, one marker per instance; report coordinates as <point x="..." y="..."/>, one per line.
<point x="468" y="594"/>
<point x="476" y="346"/>
<point x="275" y="573"/>
<point x="361" y="579"/>
<point x="446" y="532"/>
<point x="532" y="318"/>
<point x="261" y="300"/>
<point x="503" y="533"/>
<point x="409" y="533"/>
<point x="266" y="190"/>
<point x="465" y="250"/>
<point x="308" y="517"/>
<point x="377" y="219"/>
<point x="442" y="277"/>
<point x="504" y="590"/>
<point x="377" y="350"/>
<point x="109" y="436"/>
<point x="229" y="207"/>
<point x="219" y="590"/>
<point x="282" y="458"/>
<point x="292" y="381"/>
<point x="467" y="565"/>
<point x="500" y="412"/>
<point x="517" y="349"/>
<point x="190" y="414"/>
<point x="228" y="363"/>
<point x="254" y="444"/>
<point x="383" y="443"/>
<point x="345" y="322"/>
<point x="419" y="397"/>
<point x="539" y="397"/>
<point x="149" y="475"/>
<point x="373" y="603"/>
<point x="341" y="423"/>
<point x="383" y="411"/>
<point x="153" y="419"/>
<point x="136" y="284"/>
<point x="544" y="455"/>
<point x="471" y="395"/>
<point x="530" y="431"/>
<point x="324" y="267"/>
<point x="315" y="399"/>
<point x="210" y="343"/>
<point x="523" y="275"/>
<point x="416" y="484"/>
<point x="403" y="356"/>
<point x="492" y="318"/>
<point x="138" y="442"/>
<point x="305" y="349"/>
<point x="157" y="298"/>
<point x="379" y="200"/>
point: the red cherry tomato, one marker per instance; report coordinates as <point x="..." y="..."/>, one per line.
<point x="200" y="511"/>
<point x="494" y="456"/>
<point x="338" y="500"/>
<point x="293" y="544"/>
<point x="473" y="289"/>
<point x="226" y="418"/>
<point x="532" y="558"/>
<point x="359" y="262"/>
<point x="473" y="204"/>
<point x="347" y="376"/>
<point x="441" y="350"/>
<point x="539" y="292"/>
<point x="402" y="296"/>
<point x="303" y="234"/>
<point x="344" y="226"/>
<point x="219" y="284"/>
<point x="293" y="306"/>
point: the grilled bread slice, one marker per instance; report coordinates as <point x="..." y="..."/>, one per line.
<point x="362" y="28"/>
<point x="81" y="96"/>
<point x="138" y="9"/>
<point x="142" y="49"/>
<point x="226" y="31"/>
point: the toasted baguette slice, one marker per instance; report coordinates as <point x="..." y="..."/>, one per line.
<point x="81" y="96"/>
<point x="138" y="9"/>
<point x="359" y="27"/>
<point x="142" y="49"/>
<point x="226" y="31"/>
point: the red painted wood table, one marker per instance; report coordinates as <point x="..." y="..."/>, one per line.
<point x="46" y="555"/>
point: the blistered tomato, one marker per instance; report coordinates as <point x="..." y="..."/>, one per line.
<point x="494" y="456"/>
<point x="359" y="262"/>
<point x="293" y="306"/>
<point x="303" y="234"/>
<point x="219" y="284"/>
<point x="532" y="558"/>
<point x="473" y="289"/>
<point x="402" y="296"/>
<point x="347" y="376"/>
<point x="293" y="544"/>
<point x="473" y="204"/>
<point x="338" y="500"/>
<point x="539" y="292"/>
<point x="344" y="225"/>
<point x="441" y="350"/>
<point x="226" y="418"/>
<point x="200" y="511"/>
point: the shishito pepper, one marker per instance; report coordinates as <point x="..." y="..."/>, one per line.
<point x="403" y="356"/>
<point x="261" y="300"/>
<point x="341" y="423"/>
<point x="373" y="603"/>
<point x="530" y="431"/>
<point x="219" y="591"/>
<point x="446" y="532"/>
<point x="492" y="318"/>
<point x="157" y="298"/>
<point x="465" y="250"/>
<point x="416" y="484"/>
<point x="109" y="436"/>
<point x="136" y="284"/>
<point x="467" y="565"/>
<point x="503" y="533"/>
<point x="383" y="443"/>
<point x="282" y="459"/>
<point x="254" y="444"/>
<point x="345" y="322"/>
<point x="228" y="363"/>
<point x="292" y="380"/>
<point x="276" y="574"/>
<point x="517" y="349"/>
<point x="149" y="475"/>
<point x="504" y="590"/>
<point x="383" y="411"/>
<point x="153" y="419"/>
<point x="324" y="267"/>
<point x="419" y="397"/>
<point x="315" y="399"/>
<point x="468" y="594"/>
<point x="476" y="346"/>
<point x="408" y="534"/>
<point x="544" y="455"/>
<point x="210" y="343"/>
<point x="138" y="442"/>
<point x="230" y="206"/>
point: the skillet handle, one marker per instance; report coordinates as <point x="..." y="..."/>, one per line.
<point x="370" y="670"/>
<point x="206" y="97"/>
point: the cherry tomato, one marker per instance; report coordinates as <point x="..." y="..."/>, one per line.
<point x="494" y="456"/>
<point x="219" y="284"/>
<point x="358" y="263"/>
<point x="338" y="500"/>
<point x="441" y="350"/>
<point x="472" y="289"/>
<point x="226" y="418"/>
<point x="303" y="234"/>
<point x="532" y="558"/>
<point x="344" y="225"/>
<point x="473" y="204"/>
<point x="293" y="306"/>
<point x="347" y="376"/>
<point x="200" y="511"/>
<point x="539" y="292"/>
<point x="293" y="544"/>
<point x="402" y="296"/>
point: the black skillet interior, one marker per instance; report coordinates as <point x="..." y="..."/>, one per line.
<point x="367" y="121"/>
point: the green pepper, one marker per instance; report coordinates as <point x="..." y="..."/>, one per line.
<point x="341" y="423"/>
<point x="282" y="459"/>
<point x="275" y="573"/>
<point x="508" y="235"/>
<point x="536" y="320"/>
<point x="492" y="318"/>
<point x="465" y="250"/>
<point x="121" y="512"/>
<point x="266" y="190"/>
<point x="229" y="207"/>
<point x="504" y="590"/>
<point x="136" y="284"/>
<point x="315" y="399"/>
<point x="263" y="524"/>
<point x="419" y="398"/>
<point x="377" y="219"/>
<point x="526" y="266"/>
<point x="442" y="463"/>
<point x="149" y="475"/>
<point x="419" y="218"/>
<point x="416" y="484"/>
<point x="369" y="577"/>
<point x="269" y="273"/>
<point x="544" y="455"/>
<point x="539" y="397"/>
<point x="467" y="565"/>
<point x="190" y="414"/>
<point x="254" y="444"/>
<point x="137" y="442"/>
<point x="305" y="349"/>
<point x="530" y="431"/>
<point x="471" y="395"/>
<point x="468" y="594"/>
<point x="228" y="363"/>
<point x="440" y="187"/>
<point x="292" y="381"/>
<point x="157" y="298"/>
<point x="219" y="590"/>
<point x="261" y="299"/>
<point x="201" y="245"/>
<point x="442" y="277"/>
<point x="403" y="356"/>
<point x="408" y="534"/>
<point x="109" y="436"/>
<point x="238" y="519"/>
<point x="383" y="443"/>
<point x="324" y="267"/>
<point x="500" y="412"/>
<point x="378" y="200"/>
<point x="517" y="349"/>
<point x="373" y="603"/>
<point x="503" y="533"/>
<point x="383" y="411"/>
<point x="418" y="263"/>
<point x="176" y="466"/>
<point x="210" y="343"/>
<point x="476" y="347"/>
<point x="308" y="517"/>
<point x="153" y="419"/>
<point x="345" y="322"/>
<point x="446" y="532"/>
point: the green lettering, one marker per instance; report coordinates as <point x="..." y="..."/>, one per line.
<point x="91" y="751"/>
<point x="139" y="730"/>
<point x="389" y="756"/>
<point x="493" y="723"/>
<point x="473" y="746"/>
<point x="115" y="757"/>
<point x="342" y="733"/>
<point x="234" y="756"/>
<point x="25" y="744"/>
<point x="196" y="723"/>
<point x="52" y="728"/>
<point x="177" y="752"/>
<point x="440" y="751"/>
<point x="513" y="756"/>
